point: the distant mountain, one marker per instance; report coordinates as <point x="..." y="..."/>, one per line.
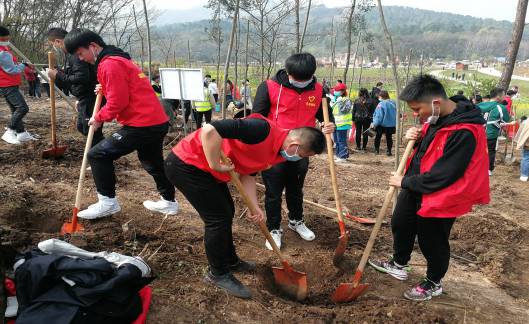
<point x="434" y="34"/>
<point x="172" y="16"/>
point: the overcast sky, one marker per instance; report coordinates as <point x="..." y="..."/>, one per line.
<point x="501" y="10"/>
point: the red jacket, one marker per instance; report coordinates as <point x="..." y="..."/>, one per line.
<point x="247" y="158"/>
<point x="29" y="74"/>
<point x="290" y="109"/>
<point x="129" y="95"/>
<point x="471" y="189"/>
<point x="6" y="79"/>
<point x="509" y="104"/>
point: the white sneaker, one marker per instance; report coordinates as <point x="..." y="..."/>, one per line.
<point x="524" y="179"/>
<point x="300" y="228"/>
<point x="276" y="236"/>
<point x="162" y="206"/>
<point x="25" y="137"/>
<point x="10" y="136"/>
<point x="104" y="207"/>
<point x="340" y="160"/>
<point x="490" y="173"/>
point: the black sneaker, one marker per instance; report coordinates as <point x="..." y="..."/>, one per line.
<point x="388" y="153"/>
<point x="243" y="266"/>
<point x="377" y="152"/>
<point x="424" y="290"/>
<point x="229" y="283"/>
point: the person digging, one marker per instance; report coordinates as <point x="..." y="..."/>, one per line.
<point x="445" y="177"/>
<point x="291" y="99"/>
<point x="131" y="101"/>
<point x="252" y="144"/>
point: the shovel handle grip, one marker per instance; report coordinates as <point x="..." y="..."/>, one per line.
<point x="252" y="208"/>
<point x="332" y="167"/>
<point x="382" y="212"/>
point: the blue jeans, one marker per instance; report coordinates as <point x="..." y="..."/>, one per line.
<point x="17" y="104"/>
<point x="524" y="165"/>
<point x="340" y="138"/>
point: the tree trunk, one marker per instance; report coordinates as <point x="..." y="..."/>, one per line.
<point x="188" y="54"/>
<point x="297" y="27"/>
<point x="349" y="40"/>
<point x="219" y="35"/>
<point x="333" y="47"/>
<point x="141" y="37"/>
<point x="148" y="39"/>
<point x="354" y="64"/>
<point x="305" y="27"/>
<point x="228" y="56"/>
<point x="237" y="43"/>
<point x="514" y="44"/>
<point x="395" y="76"/>
<point x="361" y="68"/>
<point x="246" y="63"/>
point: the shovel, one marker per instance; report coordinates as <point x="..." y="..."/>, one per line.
<point x="347" y="292"/>
<point x="291" y="282"/>
<point x="56" y="151"/>
<point x="344" y="235"/>
<point x="74" y="226"/>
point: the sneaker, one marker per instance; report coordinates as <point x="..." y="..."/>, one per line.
<point x="229" y="283"/>
<point x="162" y="206"/>
<point x="25" y="137"/>
<point x="276" y="236"/>
<point x="524" y="179"/>
<point x="424" y="290"/>
<point x="340" y="160"/>
<point x="388" y="153"/>
<point x="490" y="173"/>
<point x="302" y="229"/>
<point x="104" y="207"/>
<point x="10" y="136"/>
<point x="397" y="271"/>
<point x="243" y="266"/>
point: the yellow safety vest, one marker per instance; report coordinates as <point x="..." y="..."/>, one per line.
<point x="202" y="106"/>
<point x="339" y="118"/>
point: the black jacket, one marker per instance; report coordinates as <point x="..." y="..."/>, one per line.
<point x="363" y="111"/>
<point x="458" y="151"/>
<point x="261" y="103"/>
<point x="77" y="76"/>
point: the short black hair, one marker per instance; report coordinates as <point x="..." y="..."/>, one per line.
<point x="57" y="33"/>
<point x="384" y="94"/>
<point x="511" y="92"/>
<point x="301" y="66"/>
<point x="213" y="80"/>
<point x="422" y="88"/>
<point x="486" y="96"/>
<point x="339" y="81"/>
<point x="312" y="138"/>
<point x="363" y="93"/>
<point x="81" y="38"/>
<point x="478" y="98"/>
<point x="4" y="31"/>
<point x="379" y="84"/>
<point x="496" y="92"/>
<point x="460" y="92"/>
<point x="208" y="76"/>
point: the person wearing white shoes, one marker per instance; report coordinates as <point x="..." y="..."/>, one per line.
<point x="10" y="78"/>
<point x="522" y="143"/>
<point x="291" y="99"/>
<point x="252" y="144"/>
<point x="131" y="101"/>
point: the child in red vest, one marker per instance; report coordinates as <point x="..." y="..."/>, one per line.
<point x="252" y="144"/>
<point x="131" y="101"/>
<point x="445" y="177"/>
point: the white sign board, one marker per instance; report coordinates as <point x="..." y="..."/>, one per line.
<point x="176" y="82"/>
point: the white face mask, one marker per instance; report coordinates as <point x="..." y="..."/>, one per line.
<point x="299" y="84"/>
<point x="93" y="53"/>
<point x="432" y="120"/>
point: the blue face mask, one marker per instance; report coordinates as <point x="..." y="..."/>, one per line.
<point x="299" y="84"/>
<point x="292" y="158"/>
<point x="338" y="93"/>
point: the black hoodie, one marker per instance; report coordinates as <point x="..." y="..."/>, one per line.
<point x="261" y="103"/>
<point x="458" y="151"/>
<point x="111" y="50"/>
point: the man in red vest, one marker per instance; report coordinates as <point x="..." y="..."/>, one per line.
<point x="445" y="177"/>
<point x="252" y="144"/>
<point x="291" y="99"/>
<point x="10" y="78"/>
<point x="131" y="101"/>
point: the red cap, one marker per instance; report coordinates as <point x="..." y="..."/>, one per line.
<point x="340" y="87"/>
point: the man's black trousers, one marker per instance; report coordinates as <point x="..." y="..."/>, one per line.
<point x="214" y="204"/>
<point x="291" y="177"/>
<point x="388" y="131"/>
<point x="432" y="234"/>
<point x="491" y="145"/>
<point x="85" y="107"/>
<point x="146" y="141"/>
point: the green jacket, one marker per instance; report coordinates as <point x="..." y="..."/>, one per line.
<point x="494" y="113"/>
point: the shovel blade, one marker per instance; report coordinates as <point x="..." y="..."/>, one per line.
<point x="69" y="228"/>
<point x="54" y="152"/>
<point x="340" y="249"/>
<point x="361" y="220"/>
<point x="293" y="283"/>
<point x="347" y="292"/>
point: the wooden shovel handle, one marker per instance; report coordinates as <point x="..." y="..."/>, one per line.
<point x="252" y="208"/>
<point x="51" y="65"/>
<point x="382" y="212"/>
<point x="332" y="167"/>
<point x="87" y="147"/>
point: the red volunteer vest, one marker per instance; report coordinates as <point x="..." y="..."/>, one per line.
<point x="247" y="158"/>
<point x="6" y="79"/>
<point x="471" y="189"/>
<point x="289" y="109"/>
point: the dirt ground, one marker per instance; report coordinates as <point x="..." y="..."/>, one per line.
<point x="488" y="279"/>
